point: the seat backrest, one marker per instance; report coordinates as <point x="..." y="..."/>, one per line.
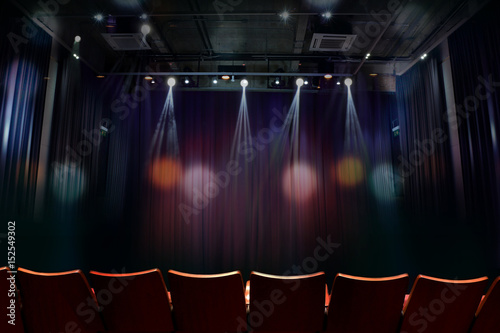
<point x="58" y="302"/>
<point x="208" y="303"/>
<point x="133" y="302"/>
<point x="359" y="304"/>
<point x="488" y="313"/>
<point x="287" y="303"/>
<point x="442" y="306"/>
<point x="9" y="302"/>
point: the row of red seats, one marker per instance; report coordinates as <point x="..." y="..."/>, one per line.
<point x="139" y="302"/>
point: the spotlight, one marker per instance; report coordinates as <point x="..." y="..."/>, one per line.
<point x="225" y="77"/>
<point x="148" y="78"/>
<point x="144" y="16"/>
<point x="368" y="55"/>
<point x="277" y="82"/>
<point x="100" y="76"/>
<point x="338" y="83"/>
<point x="186" y="81"/>
<point x="327" y="15"/>
<point x="78" y="39"/>
<point x="328" y="76"/>
<point x="306" y="82"/>
<point x="215" y="81"/>
<point x="244" y="83"/>
<point x="348" y="82"/>
<point x="423" y="56"/>
<point x="153" y="81"/>
<point x="76" y="56"/>
<point x="171" y="82"/>
<point x="98" y="17"/>
<point x="145" y="29"/>
<point x="300" y="82"/>
<point x="285" y="15"/>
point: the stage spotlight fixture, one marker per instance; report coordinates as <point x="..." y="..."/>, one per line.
<point x="215" y="80"/>
<point x="148" y="78"/>
<point x="186" y="81"/>
<point x="171" y="82"/>
<point x="423" y="56"/>
<point x="299" y="82"/>
<point x="153" y="81"/>
<point x="348" y="82"/>
<point x="338" y="83"/>
<point x="225" y="77"/>
<point x="328" y="76"/>
<point x="98" y="17"/>
<point x="145" y="29"/>
<point x="277" y="82"/>
<point x="78" y="39"/>
<point x="368" y="55"/>
<point x="327" y="15"/>
<point x="306" y="82"/>
<point x="76" y="56"/>
<point x="244" y="83"/>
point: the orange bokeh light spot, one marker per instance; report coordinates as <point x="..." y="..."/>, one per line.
<point x="349" y="171"/>
<point x="165" y="173"/>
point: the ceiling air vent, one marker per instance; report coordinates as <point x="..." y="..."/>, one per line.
<point x="331" y="42"/>
<point x="127" y="42"/>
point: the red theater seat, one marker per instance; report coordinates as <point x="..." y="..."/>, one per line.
<point x="12" y="312"/>
<point x="488" y="313"/>
<point x="359" y="304"/>
<point x="133" y="302"/>
<point x="287" y="303"/>
<point x="208" y="303"/>
<point x="442" y="306"/>
<point x="58" y="302"/>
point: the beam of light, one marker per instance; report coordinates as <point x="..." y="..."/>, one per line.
<point x="354" y="142"/>
<point x="242" y="134"/>
<point x="289" y="140"/>
<point x="165" y="124"/>
<point x="165" y="170"/>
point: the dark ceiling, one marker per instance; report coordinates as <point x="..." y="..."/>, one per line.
<point x="201" y="35"/>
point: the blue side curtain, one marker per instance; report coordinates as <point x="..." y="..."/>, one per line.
<point x="23" y="69"/>
<point x="475" y="54"/>
<point x="424" y="166"/>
